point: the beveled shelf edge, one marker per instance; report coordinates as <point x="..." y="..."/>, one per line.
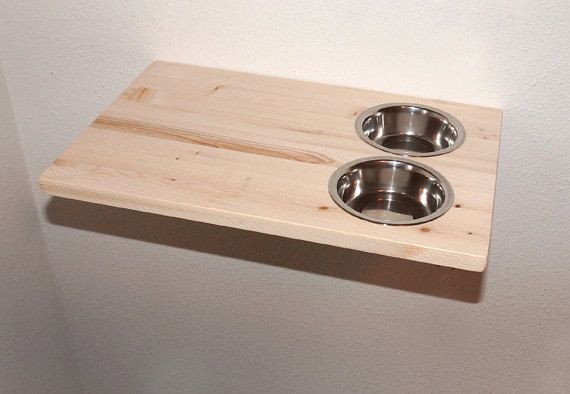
<point x="438" y="257"/>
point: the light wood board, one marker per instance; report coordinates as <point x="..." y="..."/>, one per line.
<point x="256" y="152"/>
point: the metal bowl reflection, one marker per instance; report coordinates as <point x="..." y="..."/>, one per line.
<point x="391" y="191"/>
<point x="410" y="129"/>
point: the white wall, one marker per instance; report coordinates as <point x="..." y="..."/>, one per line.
<point x="163" y="305"/>
<point x="35" y="352"/>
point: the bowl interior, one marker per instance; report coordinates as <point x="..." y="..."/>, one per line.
<point x="391" y="191"/>
<point x="410" y="130"/>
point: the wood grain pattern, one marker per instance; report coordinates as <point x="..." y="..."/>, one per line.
<point x="255" y="153"/>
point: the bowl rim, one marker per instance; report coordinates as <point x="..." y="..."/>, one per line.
<point x="446" y="185"/>
<point x="461" y="134"/>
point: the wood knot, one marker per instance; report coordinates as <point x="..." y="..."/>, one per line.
<point x="139" y="94"/>
<point x="425" y="229"/>
<point x="470" y="233"/>
<point x="457" y="205"/>
<point x="323" y="208"/>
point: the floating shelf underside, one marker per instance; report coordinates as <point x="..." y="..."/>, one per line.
<point x="256" y="152"/>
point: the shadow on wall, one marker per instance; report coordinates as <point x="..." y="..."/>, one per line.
<point x="268" y="249"/>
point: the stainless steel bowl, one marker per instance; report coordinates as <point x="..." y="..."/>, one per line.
<point x="410" y="129"/>
<point x="391" y="191"/>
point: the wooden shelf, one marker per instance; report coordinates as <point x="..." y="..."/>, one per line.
<point x="256" y="152"/>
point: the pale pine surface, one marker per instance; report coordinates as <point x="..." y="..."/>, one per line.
<point x="256" y="152"/>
